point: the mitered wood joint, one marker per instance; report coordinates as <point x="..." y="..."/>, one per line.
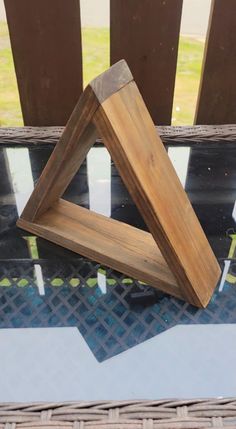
<point x="175" y="255"/>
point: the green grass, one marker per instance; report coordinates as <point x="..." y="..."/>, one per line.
<point x="187" y="80"/>
<point x="10" y="111"/>
<point x="95" y="61"/>
<point x="96" y="52"/>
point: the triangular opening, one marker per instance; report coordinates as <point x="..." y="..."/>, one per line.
<point x="111" y="107"/>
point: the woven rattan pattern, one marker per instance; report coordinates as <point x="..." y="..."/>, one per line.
<point x="162" y="414"/>
<point x="189" y="135"/>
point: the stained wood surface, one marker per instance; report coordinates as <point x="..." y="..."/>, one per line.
<point x="123" y="247"/>
<point x="123" y="121"/>
<point x="217" y="93"/>
<point x="78" y="137"/>
<point x="141" y="159"/>
<point x="46" y="45"/>
<point x="146" y="34"/>
<point x="111" y="81"/>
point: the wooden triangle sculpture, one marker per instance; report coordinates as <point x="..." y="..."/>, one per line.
<point x="175" y="256"/>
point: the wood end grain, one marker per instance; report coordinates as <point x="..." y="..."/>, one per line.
<point x="111" y="81"/>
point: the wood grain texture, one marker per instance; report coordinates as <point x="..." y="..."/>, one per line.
<point x="146" y="33"/>
<point x="78" y="137"/>
<point x="217" y="92"/>
<point x="46" y="45"/>
<point x="111" y="81"/>
<point x="141" y="159"/>
<point x="123" y="122"/>
<point x="123" y="247"/>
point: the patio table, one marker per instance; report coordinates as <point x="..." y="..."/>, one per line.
<point x="116" y="337"/>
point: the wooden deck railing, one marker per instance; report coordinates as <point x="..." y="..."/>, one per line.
<point x="46" y="44"/>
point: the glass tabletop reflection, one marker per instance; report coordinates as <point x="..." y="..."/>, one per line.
<point x="44" y="285"/>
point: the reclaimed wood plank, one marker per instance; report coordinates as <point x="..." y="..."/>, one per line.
<point x="105" y="240"/>
<point x="144" y="166"/>
<point x="217" y="92"/>
<point x="78" y="137"/>
<point x="115" y="108"/>
<point x="146" y="34"/>
<point x="46" y="44"/>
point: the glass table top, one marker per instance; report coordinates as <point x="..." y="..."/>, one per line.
<point x="44" y="285"/>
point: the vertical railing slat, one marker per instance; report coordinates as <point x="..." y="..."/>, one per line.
<point x="217" y="93"/>
<point x="46" y="44"/>
<point x="146" y="34"/>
